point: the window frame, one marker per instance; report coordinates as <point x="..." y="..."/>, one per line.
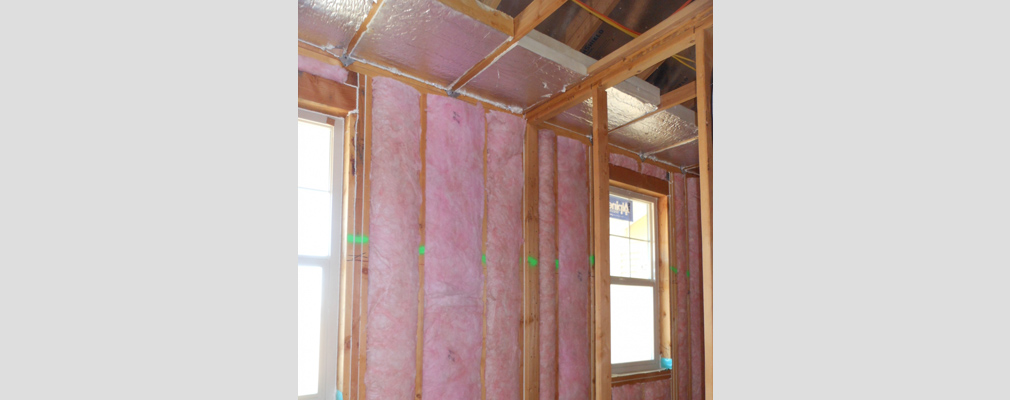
<point x="656" y="363"/>
<point x="331" y="265"/>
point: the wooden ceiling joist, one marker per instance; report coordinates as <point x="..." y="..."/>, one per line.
<point x="584" y="25"/>
<point x="488" y="16"/>
<point x="669" y="37"/>
<point x="364" y="26"/>
<point x="526" y="21"/>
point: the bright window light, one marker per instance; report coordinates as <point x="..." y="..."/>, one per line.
<point x="310" y="301"/>
<point x="631" y="324"/>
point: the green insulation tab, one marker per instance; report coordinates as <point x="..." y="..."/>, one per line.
<point x="483" y="258"/>
<point x="357" y="239"/>
<point x="688" y="274"/>
<point x="533" y="261"/>
<point x="592" y="260"/>
<point x="674" y="269"/>
<point x="557" y="264"/>
<point x="420" y="250"/>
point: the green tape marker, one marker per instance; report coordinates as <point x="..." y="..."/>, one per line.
<point x="674" y="269"/>
<point x="420" y="250"/>
<point x="533" y="261"/>
<point x="688" y="274"/>
<point x="592" y="260"/>
<point x="557" y="265"/>
<point x="483" y="258"/>
<point x="357" y="239"/>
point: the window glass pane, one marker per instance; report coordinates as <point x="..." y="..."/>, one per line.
<point x="313" y="156"/>
<point x="640" y="224"/>
<point x="632" y="329"/>
<point x="619" y="257"/>
<point x="313" y="223"/>
<point x="310" y="303"/>
<point x="641" y="259"/>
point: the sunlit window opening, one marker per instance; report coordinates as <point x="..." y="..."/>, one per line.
<point x="633" y="292"/>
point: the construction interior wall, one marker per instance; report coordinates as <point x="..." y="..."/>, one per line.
<point x="573" y="272"/>
<point x="442" y="278"/>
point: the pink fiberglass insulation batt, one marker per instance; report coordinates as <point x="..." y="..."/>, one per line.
<point x="682" y="316"/>
<point x="548" y="271"/>
<point x="653" y="171"/>
<point x="622" y="160"/>
<point x="652" y="390"/>
<point x="318" y="68"/>
<point x="504" y="254"/>
<point x="694" y="253"/>
<point x="453" y="274"/>
<point x="393" y="280"/>
<point x="573" y="274"/>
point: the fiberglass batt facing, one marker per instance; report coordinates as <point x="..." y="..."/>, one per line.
<point x="393" y="278"/>
<point x="573" y="274"/>
<point x="453" y="274"/>
<point x="504" y="254"/>
<point x="548" y="272"/>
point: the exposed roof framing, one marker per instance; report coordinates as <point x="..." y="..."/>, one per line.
<point x="529" y="18"/>
<point x="662" y="41"/>
<point x="489" y="16"/>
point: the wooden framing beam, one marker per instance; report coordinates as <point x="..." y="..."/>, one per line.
<point x="325" y="96"/>
<point x="347" y="264"/>
<point x="491" y="3"/>
<point x="531" y="272"/>
<point x="669" y="37"/>
<point x="703" y="55"/>
<point x="635" y="181"/>
<point x="601" y="243"/>
<point x="367" y="69"/>
<point x="488" y="16"/>
<point x="364" y="26"/>
<point x="632" y="379"/>
<point x="526" y="21"/>
<point x="419" y="348"/>
<point x="584" y="25"/>
<point x="366" y="195"/>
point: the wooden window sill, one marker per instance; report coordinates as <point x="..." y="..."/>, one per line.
<point x="639" y="377"/>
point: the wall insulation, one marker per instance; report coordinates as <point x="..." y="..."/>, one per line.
<point x="502" y="376"/>
<point x="624" y="161"/>
<point x="680" y="234"/>
<point x="548" y="273"/>
<point x="318" y="68"/>
<point x="652" y="390"/>
<point x="453" y="275"/>
<point x="697" y="311"/>
<point x="394" y="211"/>
<point x="573" y="273"/>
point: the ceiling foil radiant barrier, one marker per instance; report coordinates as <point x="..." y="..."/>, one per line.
<point x="684" y="155"/>
<point x="330" y="23"/>
<point x="426" y="39"/>
<point x="527" y="74"/>
<point x="654" y="133"/>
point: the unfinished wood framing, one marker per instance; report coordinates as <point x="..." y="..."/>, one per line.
<point x="703" y="55"/>
<point x="364" y="26"/>
<point x="601" y="243"/>
<point x="419" y="349"/>
<point x="531" y="16"/>
<point x="365" y="199"/>
<point x="584" y="25"/>
<point x="531" y="272"/>
<point x="488" y="16"/>
<point x="669" y="37"/>
<point x="631" y="180"/>
<point x="632" y="379"/>
<point x="671" y="248"/>
<point x="347" y="263"/>
<point x="325" y="96"/>
<point x="354" y="254"/>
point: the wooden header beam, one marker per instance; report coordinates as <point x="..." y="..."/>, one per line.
<point x="669" y="100"/>
<point x="670" y="37"/>
<point x="325" y="96"/>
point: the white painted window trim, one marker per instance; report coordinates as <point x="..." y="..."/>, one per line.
<point x="655" y="363"/>
<point x="329" y="324"/>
